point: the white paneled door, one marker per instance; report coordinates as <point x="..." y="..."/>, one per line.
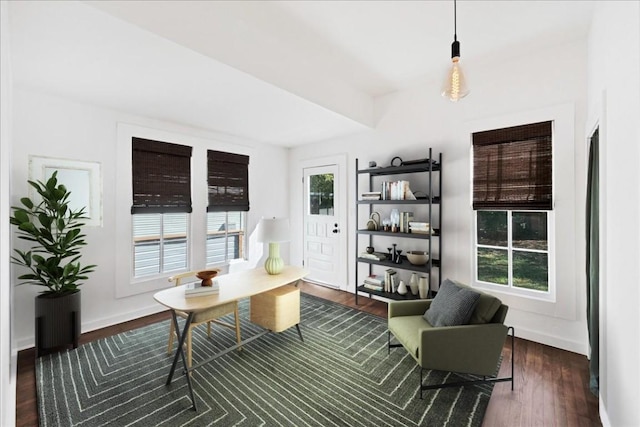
<point x="323" y="226"/>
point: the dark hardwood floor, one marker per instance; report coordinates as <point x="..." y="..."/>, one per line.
<point x="551" y="387"/>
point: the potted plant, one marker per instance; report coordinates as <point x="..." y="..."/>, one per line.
<point x="55" y="233"/>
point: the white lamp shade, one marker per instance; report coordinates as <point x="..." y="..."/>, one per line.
<point x="274" y="230"/>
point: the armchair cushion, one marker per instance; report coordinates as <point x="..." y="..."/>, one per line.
<point x="453" y="305"/>
<point x="486" y="308"/>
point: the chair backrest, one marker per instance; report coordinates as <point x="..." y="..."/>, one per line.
<point x="501" y="314"/>
<point x="178" y="277"/>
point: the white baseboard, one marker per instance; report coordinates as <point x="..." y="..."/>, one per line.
<point x="8" y="406"/>
<point x="29" y="342"/>
<point x="551" y="340"/>
<point x="604" y="417"/>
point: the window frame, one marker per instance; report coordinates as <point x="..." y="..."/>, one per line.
<point x="509" y="288"/>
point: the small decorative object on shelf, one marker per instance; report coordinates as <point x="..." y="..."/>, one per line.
<point x="413" y="283"/>
<point x="418" y="257"/>
<point x="423" y="287"/>
<point x="373" y="224"/>
<point x="398" y="259"/>
<point x="395" y="220"/>
<point x="390" y="214"/>
<point x="402" y="288"/>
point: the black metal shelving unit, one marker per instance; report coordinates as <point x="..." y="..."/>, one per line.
<point x="432" y="202"/>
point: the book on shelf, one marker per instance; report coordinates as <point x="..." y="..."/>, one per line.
<point x="418" y="224"/>
<point x="397" y="190"/>
<point x="371" y="195"/>
<point x="196" y="289"/>
<point x="390" y="280"/>
<point x="405" y="219"/>
<point x="375" y="279"/>
<point x="376" y="256"/>
<point x="373" y="287"/>
<point x="420" y="230"/>
<point x="419" y="227"/>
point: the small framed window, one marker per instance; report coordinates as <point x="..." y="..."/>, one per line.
<point x="513" y="203"/>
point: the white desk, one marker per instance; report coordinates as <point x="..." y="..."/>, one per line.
<point x="233" y="287"/>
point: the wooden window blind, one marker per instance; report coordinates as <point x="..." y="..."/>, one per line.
<point x="161" y="177"/>
<point x="228" y="179"/>
<point x="512" y="168"/>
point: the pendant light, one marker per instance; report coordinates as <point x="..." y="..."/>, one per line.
<point x="455" y="86"/>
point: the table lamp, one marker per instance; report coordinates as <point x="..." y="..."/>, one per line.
<point x="274" y="231"/>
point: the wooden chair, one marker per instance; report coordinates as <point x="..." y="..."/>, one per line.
<point x="206" y="316"/>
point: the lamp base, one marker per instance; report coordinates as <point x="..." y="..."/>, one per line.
<point x="274" y="264"/>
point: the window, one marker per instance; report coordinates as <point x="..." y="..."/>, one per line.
<point x="160" y="243"/>
<point x="512" y="197"/>
<point x="321" y="194"/>
<point x="161" y="205"/>
<point x="228" y="183"/>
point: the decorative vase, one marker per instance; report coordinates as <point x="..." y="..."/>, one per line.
<point x="402" y="288"/>
<point x="423" y="287"/>
<point x="413" y="284"/>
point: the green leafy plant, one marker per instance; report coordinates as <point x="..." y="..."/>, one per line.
<point x="56" y="235"/>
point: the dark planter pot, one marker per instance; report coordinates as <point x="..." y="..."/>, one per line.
<point x="57" y="321"/>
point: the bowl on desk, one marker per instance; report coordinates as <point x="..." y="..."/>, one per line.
<point x="207" y="275"/>
<point x="418" y="257"/>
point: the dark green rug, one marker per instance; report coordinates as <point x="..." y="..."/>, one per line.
<point x="340" y="376"/>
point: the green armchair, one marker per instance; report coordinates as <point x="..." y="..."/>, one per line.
<point x="473" y="348"/>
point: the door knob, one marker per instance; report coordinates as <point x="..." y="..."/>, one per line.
<point x="336" y="230"/>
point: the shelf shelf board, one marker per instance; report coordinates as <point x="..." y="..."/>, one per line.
<point x="407" y="235"/>
<point x="396" y="170"/>
<point x="404" y="265"/>
<point x="388" y="295"/>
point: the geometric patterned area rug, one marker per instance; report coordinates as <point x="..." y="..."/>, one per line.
<point x="341" y="375"/>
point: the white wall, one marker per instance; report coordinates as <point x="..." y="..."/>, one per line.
<point x="50" y="126"/>
<point x="544" y="83"/>
<point x="7" y="348"/>
<point x="614" y="105"/>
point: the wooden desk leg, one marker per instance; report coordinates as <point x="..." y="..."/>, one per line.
<point x="180" y="353"/>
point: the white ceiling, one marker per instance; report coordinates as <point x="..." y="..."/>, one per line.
<point x="281" y="72"/>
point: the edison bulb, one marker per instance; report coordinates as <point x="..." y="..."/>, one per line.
<point x="455" y="87"/>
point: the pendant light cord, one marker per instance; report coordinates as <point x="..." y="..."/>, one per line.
<point x="455" y="28"/>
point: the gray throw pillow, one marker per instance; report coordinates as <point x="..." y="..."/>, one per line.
<point x="453" y="305"/>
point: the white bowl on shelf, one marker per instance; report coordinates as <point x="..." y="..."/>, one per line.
<point x="418" y="257"/>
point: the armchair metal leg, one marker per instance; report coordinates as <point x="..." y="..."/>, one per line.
<point x="513" y="336"/>
<point x="389" y="345"/>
